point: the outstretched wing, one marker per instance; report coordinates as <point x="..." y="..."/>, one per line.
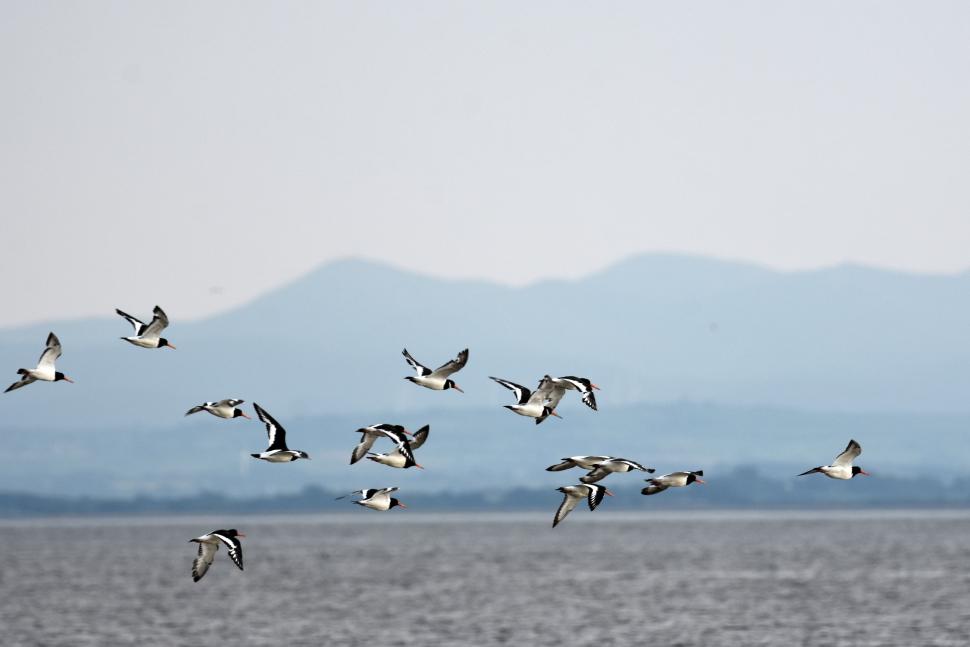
<point x="567" y="463"/>
<point x="229" y="402"/>
<point x="24" y="381"/>
<point x="581" y="384"/>
<point x="453" y="366"/>
<point x="521" y="393"/>
<point x="597" y="473"/>
<point x="366" y="442"/>
<point x="203" y="560"/>
<point x="548" y="393"/>
<point x="234" y="546"/>
<point x="275" y="431"/>
<point x="595" y="496"/>
<point x="50" y="354"/>
<point x="569" y="502"/>
<point x="420" y="436"/>
<point x="157" y="325"/>
<point x="415" y="364"/>
<point x="851" y="452"/>
<point x="197" y="409"/>
<point x="138" y="324"/>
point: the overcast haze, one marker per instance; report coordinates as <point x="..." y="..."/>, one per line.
<point x="154" y="151"/>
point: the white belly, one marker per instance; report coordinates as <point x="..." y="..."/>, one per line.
<point x="42" y="374"/>
<point x="837" y="472"/>
<point x="391" y="460"/>
<point x="277" y="456"/>
<point x="428" y="382"/>
<point x="143" y="343"/>
<point x="528" y="410"/>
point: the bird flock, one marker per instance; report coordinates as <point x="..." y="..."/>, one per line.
<point x="538" y="404"/>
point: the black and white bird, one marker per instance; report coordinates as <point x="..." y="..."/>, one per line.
<point x="371" y="433"/>
<point x="573" y="494"/>
<point x="277" y="451"/>
<point x="582" y="462"/>
<point x="147" y="335"/>
<point x="674" y="479"/>
<point x="581" y="384"/>
<point x="403" y="455"/>
<point x="209" y="544"/>
<point x="376" y="499"/>
<point x="611" y="466"/>
<point x="437" y="379"/>
<point x="227" y="408"/>
<point x="45" y="367"/>
<point x="842" y="467"/>
<point x="538" y="404"/>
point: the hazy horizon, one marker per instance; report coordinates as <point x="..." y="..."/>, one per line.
<point x="200" y="155"/>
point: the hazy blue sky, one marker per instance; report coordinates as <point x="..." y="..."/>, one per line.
<point x="150" y="151"/>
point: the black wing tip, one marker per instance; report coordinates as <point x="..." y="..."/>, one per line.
<point x="651" y="470"/>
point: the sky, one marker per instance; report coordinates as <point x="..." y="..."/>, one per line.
<point x="198" y="154"/>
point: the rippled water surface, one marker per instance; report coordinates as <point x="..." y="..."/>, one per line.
<point x="407" y="579"/>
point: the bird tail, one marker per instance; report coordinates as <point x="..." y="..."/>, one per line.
<point x="255" y="455"/>
<point x="651" y="470"/>
<point x="21" y="371"/>
<point x="814" y="470"/>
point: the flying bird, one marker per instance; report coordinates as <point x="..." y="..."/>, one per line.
<point x="573" y="494"/>
<point x="611" y="466"/>
<point x="45" y="367"/>
<point x="581" y="384"/>
<point x="147" y="335"/>
<point x="538" y="404"/>
<point x="209" y="544"/>
<point x="376" y="499"/>
<point x="674" y="479"/>
<point x="582" y="462"/>
<point x="437" y="379"/>
<point x="222" y="409"/>
<point x="277" y="451"/>
<point x="842" y="467"/>
<point x="403" y="455"/>
<point x="370" y="434"/>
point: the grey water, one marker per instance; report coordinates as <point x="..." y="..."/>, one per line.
<point x="400" y="578"/>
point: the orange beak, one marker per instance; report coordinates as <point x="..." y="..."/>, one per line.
<point x="401" y="505"/>
<point x="420" y="467"/>
<point x="457" y="388"/>
<point x="553" y="413"/>
<point x="699" y="481"/>
<point x="594" y="386"/>
<point x="243" y="413"/>
<point x="67" y="379"/>
<point x="608" y="493"/>
<point x="864" y="473"/>
<point x="239" y="534"/>
<point x="170" y="346"/>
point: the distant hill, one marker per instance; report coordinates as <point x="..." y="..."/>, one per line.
<point x="653" y="328"/>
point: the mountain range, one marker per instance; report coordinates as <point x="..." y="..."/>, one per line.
<point x="654" y="328"/>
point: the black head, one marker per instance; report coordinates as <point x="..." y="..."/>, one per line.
<point x="450" y="384"/>
<point x="856" y="471"/>
<point x="396" y="503"/>
<point x="239" y="413"/>
<point x="232" y="532"/>
<point x="162" y="343"/>
<point x="60" y="376"/>
<point x="303" y="455"/>
<point x="692" y="477"/>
